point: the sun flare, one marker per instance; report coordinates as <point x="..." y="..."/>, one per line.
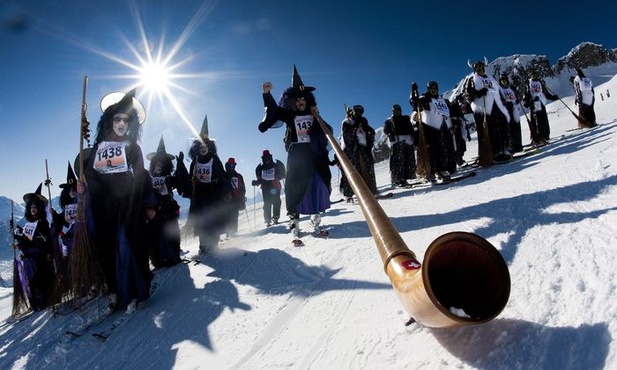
<point x="155" y="77"/>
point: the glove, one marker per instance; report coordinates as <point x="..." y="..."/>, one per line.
<point x="255" y="183"/>
<point x="19" y="231"/>
<point x="181" y="157"/>
<point x="414" y="87"/>
<point x="482" y="91"/>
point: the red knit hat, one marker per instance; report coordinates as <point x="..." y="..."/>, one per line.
<point x="231" y="161"/>
<point x="266" y="153"/>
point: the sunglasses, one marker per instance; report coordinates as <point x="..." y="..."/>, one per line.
<point x="118" y="119"/>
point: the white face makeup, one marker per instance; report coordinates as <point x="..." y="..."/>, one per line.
<point x="120" y="124"/>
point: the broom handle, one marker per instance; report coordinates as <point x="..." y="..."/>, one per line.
<point x="84" y="123"/>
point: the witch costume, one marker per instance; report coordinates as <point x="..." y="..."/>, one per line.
<point x="36" y="272"/>
<point x="164" y="229"/>
<point x="308" y="181"/>
<point x="120" y="190"/>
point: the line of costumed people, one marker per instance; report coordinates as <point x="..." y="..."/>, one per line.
<point x="132" y="218"/>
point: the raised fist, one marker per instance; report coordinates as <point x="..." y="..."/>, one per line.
<point x="181" y="157"/>
<point x="267" y="86"/>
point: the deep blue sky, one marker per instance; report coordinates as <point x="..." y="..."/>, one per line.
<point x="353" y="52"/>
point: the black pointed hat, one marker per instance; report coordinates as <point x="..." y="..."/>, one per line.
<point x="121" y="102"/>
<point x="28" y="196"/>
<point x="71" y="179"/>
<point x="204" y="134"/>
<point x="160" y="151"/>
<point x="297" y="84"/>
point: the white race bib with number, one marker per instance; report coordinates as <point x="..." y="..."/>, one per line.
<point x="111" y="157"/>
<point x="303" y="125"/>
<point x="203" y="171"/>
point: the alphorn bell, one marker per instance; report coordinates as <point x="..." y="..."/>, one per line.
<point x="463" y="279"/>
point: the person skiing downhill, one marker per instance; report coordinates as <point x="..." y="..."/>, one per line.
<point x="307" y="187"/>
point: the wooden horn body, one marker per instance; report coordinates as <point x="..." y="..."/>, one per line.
<point x="463" y="279"/>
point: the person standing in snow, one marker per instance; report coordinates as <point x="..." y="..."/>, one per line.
<point x="64" y="223"/>
<point x="512" y="104"/>
<point x="121" y="201"/>
<point x="163" y="228"/>
<point x="401" y="138"/>
<point x="536" y="96"/>
<point x="269" y="174"/>
<point x="34" y="242"/>
<point x="307" y="187"/>
<point x="435" y="118"/>
<point x="585" y="98"/>
<point x="210" y="193"/>
<point x="459" y="130"/>
<point x="358" y="138"/>
<point x="482" y="92"/>
<point x="238" y="196"/>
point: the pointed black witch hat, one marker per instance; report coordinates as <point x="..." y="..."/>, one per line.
<point x="204" y="133"/>
<point x="71" y="179"/>
<point x="28" y="196"/>
<point x="297" y="84"/>
<point x="160" y="152"/>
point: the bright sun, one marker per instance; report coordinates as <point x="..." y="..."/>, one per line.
<point x="155" y="77"/>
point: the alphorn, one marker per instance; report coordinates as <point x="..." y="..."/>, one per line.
<point x="463" y="279"/>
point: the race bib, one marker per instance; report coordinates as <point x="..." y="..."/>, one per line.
<point x="203" y="171"/>
<point x="441" y="107"/>
<point x="303" y="125"/>
<point x="235" y="183"/>
<point x="29" y="229"/>
<point x="535" y="87"/>
<point x="586" y="84"/>
<point x="110" y="157"/>
<point x="508" y="95"/>
<point x="488" y="83"/>
<point x="268" y="174"/>
<point x="158" y="183"/>
<point x="71" y="211"/>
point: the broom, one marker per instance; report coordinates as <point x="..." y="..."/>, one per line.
<point x="20" y="301"/>
<point x="85" y="271"/>
<point x="578" y="118"/>
<point x="485" y="152"/>
<point x="423" y="163"/>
